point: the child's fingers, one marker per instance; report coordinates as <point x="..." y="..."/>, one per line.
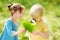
<point x="35" y="33"/>
<point x="24" y="30"/>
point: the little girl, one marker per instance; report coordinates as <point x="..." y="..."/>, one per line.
<point x="10" y="31"/>
<point x="41" y="32"/>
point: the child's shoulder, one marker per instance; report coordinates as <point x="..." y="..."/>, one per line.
<point x="9" y="20"/>
<point x="45" y="22"/>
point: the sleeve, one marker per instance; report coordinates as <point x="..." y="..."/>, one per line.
<point x="9" y="28"/>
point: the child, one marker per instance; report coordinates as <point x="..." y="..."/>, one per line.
<point x="41" y="32"/>
<point x="11" y="25"/>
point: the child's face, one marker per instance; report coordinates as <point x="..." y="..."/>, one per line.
<point x="37" y="18"/>
<point x="18" y="15"/>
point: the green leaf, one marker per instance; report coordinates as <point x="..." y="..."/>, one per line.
<point x="29" y="26"/>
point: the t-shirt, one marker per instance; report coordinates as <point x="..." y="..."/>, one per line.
<point x="41" y="26"/>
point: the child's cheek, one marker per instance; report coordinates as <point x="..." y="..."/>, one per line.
<point x="20" y="16"/>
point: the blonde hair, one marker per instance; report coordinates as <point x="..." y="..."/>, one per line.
<point x="36" y="10"/>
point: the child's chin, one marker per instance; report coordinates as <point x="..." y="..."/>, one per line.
<point x="20" y="18"/>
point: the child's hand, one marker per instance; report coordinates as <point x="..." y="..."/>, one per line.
<point x="35" y="33"/>
<point x="19" y="31"/>
<point x="24" y="30"/>
<point x="44" y="35"/>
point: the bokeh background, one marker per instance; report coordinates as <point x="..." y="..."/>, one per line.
<point x="52" y="15"/>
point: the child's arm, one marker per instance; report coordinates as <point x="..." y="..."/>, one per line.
<point x="44" y="35"/>
<point x="19" y="32"/>
<point x="10" y="31"/>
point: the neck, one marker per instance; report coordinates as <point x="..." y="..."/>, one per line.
<point x="14" y="19"/>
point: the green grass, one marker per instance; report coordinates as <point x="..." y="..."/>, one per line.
<point x="52" y="14"/>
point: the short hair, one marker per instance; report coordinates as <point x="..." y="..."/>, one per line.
<point x="37" y="9"/>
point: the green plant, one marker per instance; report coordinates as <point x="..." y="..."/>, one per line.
<point x="29" y="26"/>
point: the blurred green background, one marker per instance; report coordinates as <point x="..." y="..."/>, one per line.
<point x="52" y="14"/>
